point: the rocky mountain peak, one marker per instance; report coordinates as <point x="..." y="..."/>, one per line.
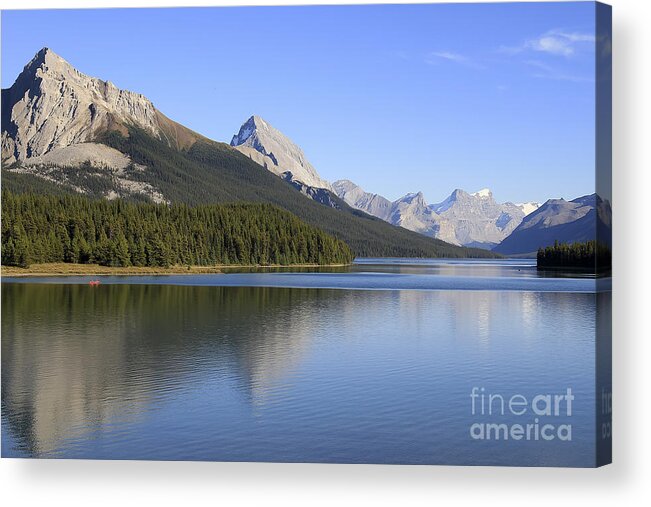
<point x="45" y="58"/>
<point x="462" y="218"/>
<point x="52" y="105"/>
<point x="415" y="198"/>
<point x="269" y="147"/>
<point x="484" y="193"/>
<point x="356" y="197"/>
<point x="459" y="195"/>
<point x="348" y="191"/>
<point x="580" y="219"/>
<point x="246" y="130"/>
<point x="345" y="184"/>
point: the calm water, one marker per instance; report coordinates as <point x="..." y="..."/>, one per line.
<point x="373" y="363"/>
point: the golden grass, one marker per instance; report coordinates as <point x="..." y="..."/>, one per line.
<point x="61" y="268"/>
<point x="69" y="269"/>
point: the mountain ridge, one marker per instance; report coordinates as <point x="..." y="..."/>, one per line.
<point x="80" y="133"/>
<point x="272" y="149"/>
<point x="462" y="218"/>
<point x="585" y="218"/>
<point x="52" y="105"/>
<point x="159" y="157"/>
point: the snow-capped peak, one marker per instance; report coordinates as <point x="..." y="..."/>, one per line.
<point x="528" y="207"/>
<point x="484" y="192"/>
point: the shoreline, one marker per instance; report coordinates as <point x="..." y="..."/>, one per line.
<point x="574" y="269"/>
<point x="65" y="269"/>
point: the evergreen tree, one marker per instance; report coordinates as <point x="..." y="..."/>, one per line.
<point x="588" y="256"/>
<point x="37" y="229"/>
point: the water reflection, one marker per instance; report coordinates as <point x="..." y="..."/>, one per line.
<point x="75" y="357"/>
<point x="254" y="373"/>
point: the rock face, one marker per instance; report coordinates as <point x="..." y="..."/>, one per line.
<point x="52" y="105"/>
<point x="413" y="213"/>
<point x="272" y="149"/>
<point x="477" y="219"/>
<point x="581" y="219"/>
<point x="320" y="195"/>
<point x="461" y="219"/>
<point x="373" y="204"/>
<point x="97" y="155"/>
<point x="53" y="115"/>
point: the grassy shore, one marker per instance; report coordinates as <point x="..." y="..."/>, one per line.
<point x="66" y="269"/>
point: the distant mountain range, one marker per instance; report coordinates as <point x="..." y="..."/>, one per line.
<point x="582" y="219"/>
<point x="63" y="131"/>
<point x="66" y="132"/>
<point x="465" y="219"/>
<point x="462" y="219"/>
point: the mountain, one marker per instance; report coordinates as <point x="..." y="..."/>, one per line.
<point x="373" y="204"/>
<point x="477" y="219"/>
<point x="581" y="219"/>
<point x="52" y="106"/>
<point x="65" y="132"/>
<point x="412" y="212"/>
<point x="462" y="219"/>
<point x="53" y="115"/>
<point x="276" y="152"/>
<point x="528" y="207"/>
<point x="320" y="195"/>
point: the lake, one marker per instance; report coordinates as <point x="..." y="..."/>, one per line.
<point x="385" y="361"/>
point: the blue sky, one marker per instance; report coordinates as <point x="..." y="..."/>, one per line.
<point x="395" y="98"/>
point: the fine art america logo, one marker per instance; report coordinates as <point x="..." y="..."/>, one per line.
<point x="537" y="416"/>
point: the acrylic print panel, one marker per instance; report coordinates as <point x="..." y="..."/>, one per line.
<point x="338" y="234"/>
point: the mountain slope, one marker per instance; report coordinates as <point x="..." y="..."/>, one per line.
<point x="413" y="213"/>
<point x="126" y="234"/>
<point x="461" y="219"/>
<point x="215" y="172"/>
<point x="52" y="105"/>
<point x="477" y="219"/>
<point x="356" y="197"/>
<point x="270" y="148"/>
<point x="211" y="172"/>
<point x="559" y="220"/>
<point x="63" y="132"/>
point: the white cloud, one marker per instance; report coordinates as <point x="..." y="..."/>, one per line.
<point x="435" y="57"/>
<point x="554" y="42"/>
<point x="553" y="45"/>
<point x="446" y="55"/>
